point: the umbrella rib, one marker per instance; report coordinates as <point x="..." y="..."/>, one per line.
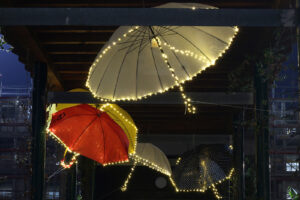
<point x="120" y="69"/>
<point x="131" y="139"/>
<point x="103" y="139"/>
<point x="184" y="69"/>
<point x="137" y="65"/>
<point x="190" y="43"/>
<point x="215" y="37"/>
<point x="164" y="30"/>
<point x="161" y="86"/>
<point x="138" y="38"/>
<point x="75" y="116"/>
<point x="107" y="66"/>
<point x="84" y="130"/>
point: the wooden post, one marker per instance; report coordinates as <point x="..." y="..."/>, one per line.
<point x="87" y="174"/>
<point x="71" y="183"/>
<point x="38" y="129"/>
<point x="238" y="157"/>
<point x="262" y="138"/>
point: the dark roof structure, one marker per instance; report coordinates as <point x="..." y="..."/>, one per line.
<point x="69" y="51"/>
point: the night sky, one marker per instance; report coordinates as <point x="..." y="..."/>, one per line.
<point x="13" y="72"/>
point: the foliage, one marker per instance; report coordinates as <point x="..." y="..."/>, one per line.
<point x="3" y="44"/>
<point x="250" y="179"/>
<point x="268" y="63"/>
<point x="293" y="194"/>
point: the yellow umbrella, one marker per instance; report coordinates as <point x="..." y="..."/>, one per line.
<point x="61" y="106"/>
<point x="119" y="115"/>
<point x="124" y="120"/>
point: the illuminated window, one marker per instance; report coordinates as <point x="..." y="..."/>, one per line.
<point x="292" y="166"/>
<point x="289" y="131"/>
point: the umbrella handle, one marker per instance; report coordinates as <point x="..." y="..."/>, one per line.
<point x="68" y="165"/>
<point x="124" y="186"/>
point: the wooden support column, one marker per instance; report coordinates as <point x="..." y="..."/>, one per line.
<point x="71" y="183"/>
<point x="238" y="157"/>
<point x="38" y="129"/>
<point x="262" y="138"/>
<point x="87" y="173"/>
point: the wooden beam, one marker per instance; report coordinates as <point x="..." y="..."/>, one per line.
<point x="167" y="98"/>
<point x="136" y="3"/>
<point x="73" y="62"/>
<point x="74" y="37"/>
<point x="73" y="53"/>
<point x="73" y="58"/>
<point x="176" y="144"/>
<point x="73" y="47"/>
<point x="74" y="29"/>
<point x="72" y="42"/>
<point x="148" y="17"/>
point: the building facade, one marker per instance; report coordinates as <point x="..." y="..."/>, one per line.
<point x="284" y="131"/>
<point x="15" y="143"/>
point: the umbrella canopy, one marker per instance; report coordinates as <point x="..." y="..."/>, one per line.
<point x="119" y="115"/>
<point x="151" y="156"/>
<point x="202" y="168"/>
<point x="124" y="120"/>
<point x="61" y="106"/>
<point x="90" y="132"/>
<point x="141" y="61"/>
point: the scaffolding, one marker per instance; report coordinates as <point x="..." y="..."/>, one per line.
<point x="15" y="144"/>
<point x="284" y="138"/>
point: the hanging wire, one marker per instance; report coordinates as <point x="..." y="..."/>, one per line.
<point x="55" y="173"/>
<point x="238" y="107"/>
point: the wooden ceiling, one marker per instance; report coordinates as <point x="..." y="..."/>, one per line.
<point x="69" y="51"/>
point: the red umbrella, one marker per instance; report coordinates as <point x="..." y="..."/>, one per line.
<point x="91" y="133"/>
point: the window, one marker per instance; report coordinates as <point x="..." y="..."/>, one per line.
<point x="52" y="195"/>
<point x="292" y="166"/>
<point x="290" y="131"/>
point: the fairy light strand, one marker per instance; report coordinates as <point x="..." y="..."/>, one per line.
<point x="187" y="101"/>
<point x="124" y="186"/>
<point x="202" y="190"/>
<point x="137" y="159"/>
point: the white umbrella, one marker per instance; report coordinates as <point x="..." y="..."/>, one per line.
<point x="141" y="61"/>
<point x="151" y="156"/>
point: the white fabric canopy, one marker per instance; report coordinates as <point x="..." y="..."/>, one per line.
<point x="149" y="155"/>
<point x="132" y="65"/>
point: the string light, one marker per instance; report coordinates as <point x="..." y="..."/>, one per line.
<point x="183" y="52"/>
<point x="58" y="140"/>
<point x="178" y="160"/>
<point x="187" y="101"/>
<point x="150" y="164"/>
<point x="115" y="163"/>
<point x="124" y="187"/>
<point x="216" y="193"/>
<point x="212" y="186"/>
<point x="73" y="160"/>
<point x="147" y="163"/>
